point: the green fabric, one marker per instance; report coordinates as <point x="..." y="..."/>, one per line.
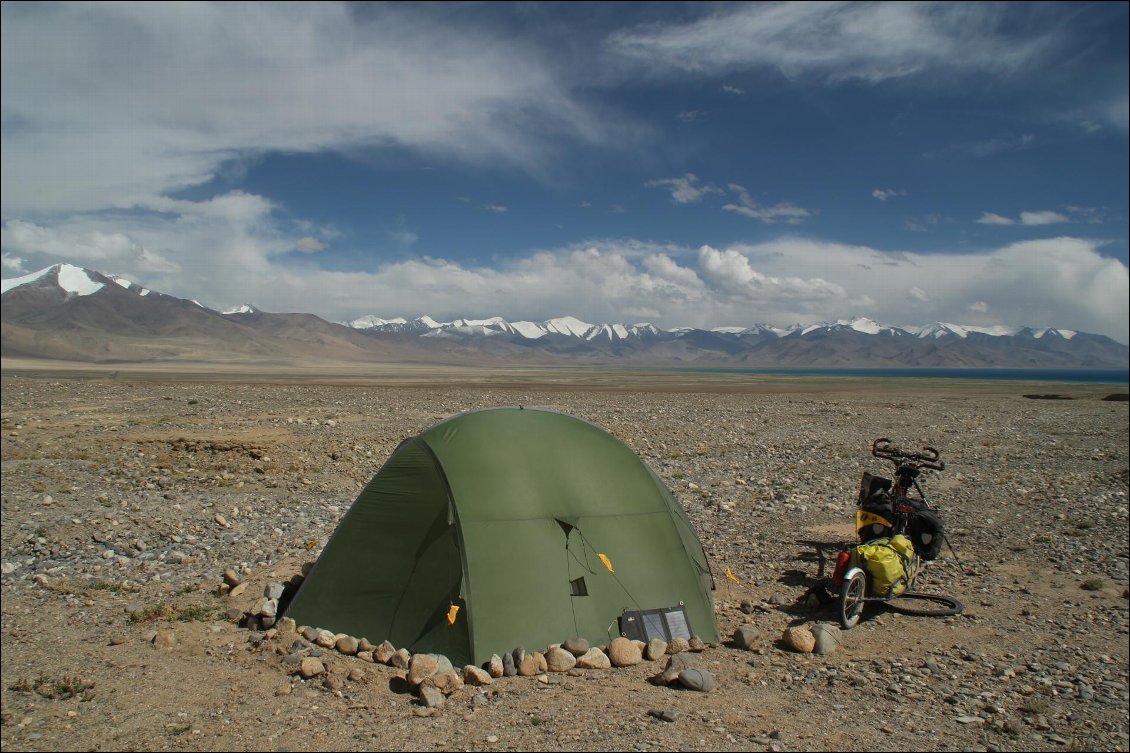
<point x="500" y="511"/>
<point x="392" y="568"/>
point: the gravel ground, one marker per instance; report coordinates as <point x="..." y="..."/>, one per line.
<point x="124" y="502"/>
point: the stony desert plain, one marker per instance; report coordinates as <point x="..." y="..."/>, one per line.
<point x="127" y="493"/>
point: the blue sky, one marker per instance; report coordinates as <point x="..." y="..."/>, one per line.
<point x="703" y="164"/>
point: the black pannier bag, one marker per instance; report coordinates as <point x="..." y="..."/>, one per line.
<point x="927" y="532"/>
<point x="871" y="485"/>
<point x="876" y="508"/>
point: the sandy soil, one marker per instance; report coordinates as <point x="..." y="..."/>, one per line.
<point x="113" y="478"/>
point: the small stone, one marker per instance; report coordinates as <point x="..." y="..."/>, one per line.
<point x="532" y="665"/>
<point x="675" y="664"/>
<point x="778" y="600"/>
<point x="117" y="640"/>
<point x="746" y="637"/>
<point x="347" y="645"/>
<point x="237" y="590"/>
<point x="364" y="645"/>
<point x="326" y="639"/>
<point x="311" y="667"/>
<point x="431" y="697"/>
<point x="309" y="633"/>
<point x="333" y="682"/>
<point x="559" y="660"/>
<point x="495" y="666"/>
<point x="678" y="645"/>
<point x="695" y="644"/>
<point x="231" y="577"/>
<point x="664" y="715"/>
<point x="165" y="638"/>
<point x="220" y="520"/>
<point x="286" y="625"/>
<point x="421" y="667"/>
<point x="508" y="668"/>
<point x="576" y="646"/>
<point x="356" y="674"/>
<point x="624" y="653"/>
<point x="401" y="659"/>
<point x="274" y="591"/>
<point x="827" y="638"/>
<point x="476" y="676"/>
<point x="656" y="648"/>
<point x="697" y="679"/>
<point x="446" y="682"/>
<point x="594" y="658"/>
<point x="383" y="653"/>
<point x="799" y="639"/>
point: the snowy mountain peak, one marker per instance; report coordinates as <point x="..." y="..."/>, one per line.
<point x="245" y="308"/>
<point x="75" y="281"/>
<point x="865" y="325"/>
<point x="940" y="330"/>
<point x="567" y="325"/>
<point x="365" y="322"/>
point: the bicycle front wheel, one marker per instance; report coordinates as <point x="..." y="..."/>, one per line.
<point x="926" y="605"/>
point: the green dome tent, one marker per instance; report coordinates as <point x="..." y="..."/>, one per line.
<point x="501" y="528"/>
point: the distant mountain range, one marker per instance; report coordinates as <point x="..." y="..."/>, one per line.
<point x="67" y="312"/>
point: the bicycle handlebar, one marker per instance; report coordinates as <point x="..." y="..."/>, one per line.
<point x="882" y="448"/>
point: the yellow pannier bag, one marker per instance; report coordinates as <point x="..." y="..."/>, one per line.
<point x="888" y="562"/>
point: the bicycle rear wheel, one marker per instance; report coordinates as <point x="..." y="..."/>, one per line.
<point x="851" y="598"/>
<point x="926" y="605"/>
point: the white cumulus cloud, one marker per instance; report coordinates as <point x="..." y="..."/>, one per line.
<point x="884" y="194"/>
<point x="1061" y="282"/>
<point x="1042" y="218"/>
<point x="991" y="218"/>
<point x="783" y="211"/>
<point x="685" y="189"/>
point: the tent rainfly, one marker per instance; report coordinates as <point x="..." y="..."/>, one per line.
<point x="501" y="528"/>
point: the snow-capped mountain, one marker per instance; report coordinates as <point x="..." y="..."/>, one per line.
<point x="68" y="278"/>
<point x="567" y="326"/>
<point x="65" y="311"/>
<point x="243" y="308"/>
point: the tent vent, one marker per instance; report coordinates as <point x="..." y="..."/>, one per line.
<point x="578" y="587"/>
